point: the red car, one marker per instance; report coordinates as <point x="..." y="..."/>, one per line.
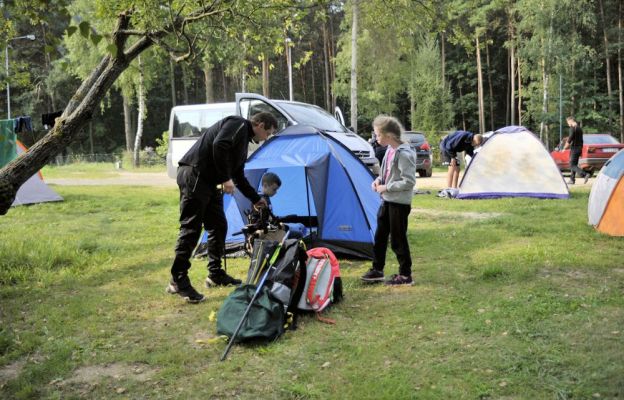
<point x="597" y="149"/>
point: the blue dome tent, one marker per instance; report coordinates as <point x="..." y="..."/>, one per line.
<point x="323" y="184"/>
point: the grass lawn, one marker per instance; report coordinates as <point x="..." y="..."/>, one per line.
<point x="514" y="299"/>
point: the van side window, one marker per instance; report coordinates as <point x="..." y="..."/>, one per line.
<point x="250" y="107"/>
<point x="190" y="123"/>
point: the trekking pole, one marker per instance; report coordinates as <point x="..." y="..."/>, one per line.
<point x="253" y="298"/>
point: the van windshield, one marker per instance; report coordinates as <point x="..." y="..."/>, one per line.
<point x="307" y="114"/>
<point x="189" y="123"/>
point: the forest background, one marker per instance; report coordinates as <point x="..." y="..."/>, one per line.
<point x="437" y="65"/>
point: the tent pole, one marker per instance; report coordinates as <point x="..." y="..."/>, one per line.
<point x="305" y="173"/>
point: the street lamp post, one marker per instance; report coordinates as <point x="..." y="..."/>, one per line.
<point x="6" y="64"/>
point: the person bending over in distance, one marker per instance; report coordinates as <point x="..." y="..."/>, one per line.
<point x="452" y="144"/>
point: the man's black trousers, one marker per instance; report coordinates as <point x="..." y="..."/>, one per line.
<point x="201" y="204"/>
<point x="575" y="154"/>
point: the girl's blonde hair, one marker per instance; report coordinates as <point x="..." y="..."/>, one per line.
<point x="389" y="125"/>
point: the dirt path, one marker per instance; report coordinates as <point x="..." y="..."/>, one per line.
<point x="124" y="178"/>
<point x="435" y="182"/>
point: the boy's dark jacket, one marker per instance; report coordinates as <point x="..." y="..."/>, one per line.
<point x="457" y="142"/>
<point x="220" y="154"/>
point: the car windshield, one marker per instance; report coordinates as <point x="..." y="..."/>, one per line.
<point x="306" y="114"/>
<point x="599" y="139"/>
<point x="413" y="137"/>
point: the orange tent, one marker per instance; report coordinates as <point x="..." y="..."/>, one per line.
<point x="606" y="200"/>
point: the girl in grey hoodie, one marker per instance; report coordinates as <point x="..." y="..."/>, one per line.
<point x="395" y="184"/>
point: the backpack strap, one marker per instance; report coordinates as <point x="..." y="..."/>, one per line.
<point x="315" y="300"/>
<point x="325" y="320"/>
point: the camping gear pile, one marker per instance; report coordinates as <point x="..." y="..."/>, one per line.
<point x="283" y="281"/>
<point x="606" y="200"/>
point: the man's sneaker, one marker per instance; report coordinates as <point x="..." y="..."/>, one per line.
<point x="396" y="280"/>
<point x="587" y="176"/>
<point x="373" y="275"/>
<point x="221" y="279"/>
<point x="188" y="293"/>
<point x="571" y="182"/>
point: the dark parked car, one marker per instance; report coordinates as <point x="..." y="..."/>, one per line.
<point x="597" y="150"/>
<point x="419" y="144"/>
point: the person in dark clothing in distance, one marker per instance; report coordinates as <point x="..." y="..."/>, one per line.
<point x="452" y="144"/>
<point x="213" y="165"/>
<point x="380" y="151"/>
<point x="575" y="144"/>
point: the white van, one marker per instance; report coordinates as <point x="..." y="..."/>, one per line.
<point x="186" y="123"/>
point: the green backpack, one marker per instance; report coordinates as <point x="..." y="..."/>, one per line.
<point x="265" y="321"/>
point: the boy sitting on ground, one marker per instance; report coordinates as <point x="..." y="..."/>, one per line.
<point x="263" y="217"/>
<point x="270" y="185"/>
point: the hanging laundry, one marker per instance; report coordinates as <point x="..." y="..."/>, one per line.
<point x="48" y="120"/>
<point x="23" y="124"/>
<point x="8" y="149"/>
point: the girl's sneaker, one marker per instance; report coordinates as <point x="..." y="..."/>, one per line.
<point x="396" y="280"/>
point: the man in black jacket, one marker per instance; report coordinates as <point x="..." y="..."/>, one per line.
<point x="214" y="165"/>
<point x="575" y="144"/>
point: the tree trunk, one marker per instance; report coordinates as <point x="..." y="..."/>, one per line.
<point x="328" y="105"/>
<point x="48" y="63"/>
<point x="225" y="83"/>
<point x="303" y="86"/>
<point x="313" y="82"/>
<point x="185" y="83"/>
<point x="139" y="133"/>
<point x="209" y="82"/>
<point x="443" y="57"/>
<point x="412" y="108"/>
<point x="519" y="94"/>
<point x="543" y="127"/>
<point x="332" y="64"/>
<point x="607" y="58"/>
<point x="91" y="137"/>
<point x="265" y="76"/>
<point x="128" y="123"/>
<point x="512" y="79"/>
<point x="480" y="87"/>
<point x="491" y="89"/>
<point x="507" y="87"/>
<point x="461" y="105"/>
<point x="621" y="89"/>
<point x="172" y="82"/>
<point x="354" y="35"/>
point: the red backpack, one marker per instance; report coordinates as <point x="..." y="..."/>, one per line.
<point x="323" y="285"/>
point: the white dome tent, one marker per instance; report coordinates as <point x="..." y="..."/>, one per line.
<point x="512" y="163"/>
